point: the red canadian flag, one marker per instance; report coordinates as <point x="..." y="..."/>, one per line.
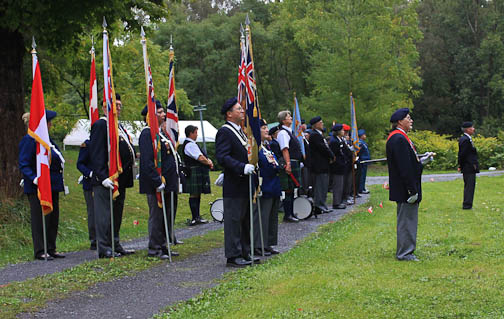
<point x="37" y="129"/>
<point x="94" y="115"/>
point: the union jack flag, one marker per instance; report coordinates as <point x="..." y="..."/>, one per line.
<point x="172" y="127"/>
<point x="353" y="120"/>
<point x="241" y="71"/>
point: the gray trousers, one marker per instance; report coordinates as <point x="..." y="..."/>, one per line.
<point x="269" y="221"/>
<point x="157" y="232"/>
<point x="348" y="185"/>
<point x="469" y="186"/>
<point x="320" y="188"/>
<point x="88" y="197"/>
<point x="51" y="221"/>
<point x="118" y="213"/>
<point x="236" y="227"/>
<point x="101" y="200"/>
<point x="337" y="189"/>
<point x="407" y="223"/>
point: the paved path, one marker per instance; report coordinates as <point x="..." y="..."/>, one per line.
<point x="372" y="180"/>
<point x="148" y="292"/>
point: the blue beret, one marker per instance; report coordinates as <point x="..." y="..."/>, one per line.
<point x="273" y="130"/>
<point x="229" y="104"/>
<point x="399" y="114"/>
<point x="303" y="121"/>
<point x="467" y="124"/>
<point x="337" y="127"/>
<point x="361" y="132"/>
<point x="315" y="120"/>
<point x="262" y="122"/>
<point x="158" y="106"/>
<point x="50" y="115"/>
<point x="118" y="97"/>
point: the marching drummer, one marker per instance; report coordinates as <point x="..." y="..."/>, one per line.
<point x="269" y="197"/>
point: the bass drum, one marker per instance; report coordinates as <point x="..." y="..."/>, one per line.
<point x="217" y="210"/>
<point x="303" y="207"/>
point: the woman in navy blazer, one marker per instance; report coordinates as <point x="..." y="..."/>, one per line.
<point x="28" y="167"/>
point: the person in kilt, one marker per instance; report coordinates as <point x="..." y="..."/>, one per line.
<point x="198" y="181"/>
<point x="291" y="157"/>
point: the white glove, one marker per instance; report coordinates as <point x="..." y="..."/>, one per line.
<point x="249" y="169"/>
<point x="160" y="187"/>
<point x="427" y="158"/>
<point x="35" y="181"/>
<point x="220" y="180"/>
<point x="301" y="165"/>
<point x="412" y="198"/>
<point x="21" y="183"/>
<point x="79" y="181"/>
<point x="90" y="174"/>
<point x="108" y="183"/>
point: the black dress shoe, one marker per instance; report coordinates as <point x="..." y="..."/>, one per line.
<point x="193" y="222"/>
<point x="326" y="211"/>
<point x="124" y="252"/>
<point x="177" y="242"/>
<point x="256" y="259"/>
<point x="56" y="255"/>
<point x="109" y="254"/>
<point x="365" y="192"/>
<point x="290" y="219"/>
<point x="92" y="247"/>
<point x="410" y="257"/>
<point x="237" y="262"/>
<point x="201" y="221"/>
<point x="173" y="253"/>
<point x="258" y="252"/>
<point x="272" y="251"/>
<point x="357" y="196"/>
<point x="44" y="257"/>
<point x="340" y="206"/>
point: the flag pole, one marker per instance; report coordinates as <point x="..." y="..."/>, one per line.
<point x="172" y="217"/>
<point x="105" y="43"/>
<point x="260" y="223"/>
<point x="44" y="231"/>
<point x="251" y="221"/>
<point x="166" y="225"/>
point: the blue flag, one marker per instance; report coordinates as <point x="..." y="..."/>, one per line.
<point x="354" y="136"/>
<point x="296" y="125"/>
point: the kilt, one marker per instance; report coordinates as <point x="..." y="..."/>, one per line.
<point x="286" y="181"/>
<point x="198" y="182"/>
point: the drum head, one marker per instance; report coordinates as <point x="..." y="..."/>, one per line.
<point x="217" y="210"/>
<point x="302" y="207"/>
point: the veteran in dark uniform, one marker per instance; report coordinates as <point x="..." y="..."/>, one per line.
<point x="198" y="181"/>
<point x="405" y="180"/>
<point x="292" y="157"/>
<point x="337" y="167"/>
<point x="101" y="183"/>
<point x="321" y="156"/>
<point x="84" y="166"/>
<point x="151" y="183"/>
<point x="231" y="153"/>
<point x="28" y="167"/>
<point x="468" y="163"/>
<point x="364" y="155"/>
<point x="269" y="198"/>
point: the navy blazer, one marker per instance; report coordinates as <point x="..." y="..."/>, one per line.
<point x="364" y="154"/>
<point x="127" y="155"/>
<point x="338" y="166"/>
<point x="270" y="181"/>
<point x="98" y="146"/>
<point x="467" y="156"/>
<point x="405" y="170"/>
<point x="169" y="168"/>
<point x="232" y="156"/>
<point x="149" y="177"/>
<point x="28" y="165"/>
<point x="320" y="153"/>
<point x="83" y="165"/>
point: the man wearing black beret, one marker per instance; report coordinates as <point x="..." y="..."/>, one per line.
<point x="321" y="155"/>
<point x="405" y="174"/>
<point x="468" y="163"/>
<point x="232" y="155"/>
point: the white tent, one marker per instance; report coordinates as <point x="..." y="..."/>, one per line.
<point x="81" y="130"/>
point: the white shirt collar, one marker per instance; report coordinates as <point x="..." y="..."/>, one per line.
<point x="287" y="128"/>
<point x="468" y="136"/>
<point x="190" y="139"/>
<point x="400" y="129"/>
<point x="320" y="132"/>
<point x="236" y="126"/>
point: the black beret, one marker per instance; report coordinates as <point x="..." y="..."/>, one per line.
<point x="50" y="115"/>
<point x="158" y="106"/>
<point x="467" y="124"/>
<point x="229" y="104"/>
<point x="337" y="127"/>
<point x="315" y="120"/>
<point x="118" y="97"/>
<point x="273" y="130"/>
<point x="399" y="114"/>
<point x="262" y="122"/>
<point x="303" y="121"/>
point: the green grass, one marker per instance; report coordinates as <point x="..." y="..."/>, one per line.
<point x="348" y="270"/>
<point x="381" y="169"/>
<point x="32" y="295"/>
<point x="15" y="233"/>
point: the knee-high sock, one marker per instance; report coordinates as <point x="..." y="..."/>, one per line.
<point x="288" y="204"/>
<point x="194" y="204"/>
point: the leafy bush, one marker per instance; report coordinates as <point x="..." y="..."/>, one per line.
<point x="490" y="149"/>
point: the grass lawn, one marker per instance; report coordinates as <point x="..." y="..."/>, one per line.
<point x="15" y="235"/>
<point x="348" y="270"/>
<point x="380" y="169"/>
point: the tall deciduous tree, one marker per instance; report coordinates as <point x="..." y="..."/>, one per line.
<point x="56" y="25"/>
